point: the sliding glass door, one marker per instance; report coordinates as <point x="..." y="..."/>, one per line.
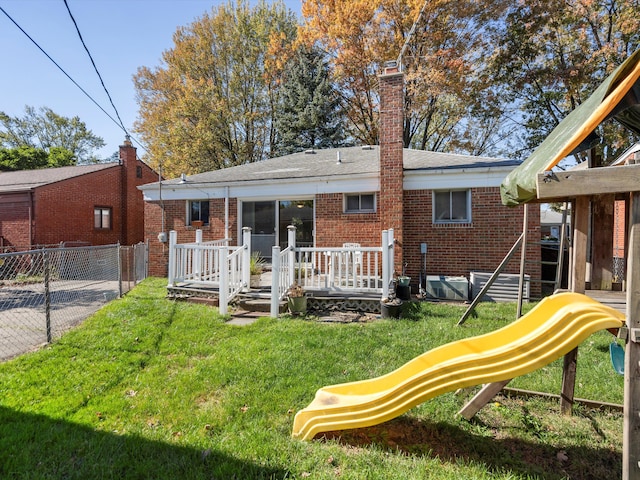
<point x="269" y="220"/>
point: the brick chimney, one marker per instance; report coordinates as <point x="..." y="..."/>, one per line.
<point x="391" y="201"/>
<point x="132" y="227"/>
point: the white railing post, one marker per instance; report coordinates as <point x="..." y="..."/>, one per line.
<point x="291" y="244"/>
<point x="392" y="255"/>
<point x="275" y="281"/>
<point x="385" y="264"/>
<point x="197" y="257"/>
<point x="173" y="240"/>
<point x="246" y="257"/>
<point x="223" y="292"/>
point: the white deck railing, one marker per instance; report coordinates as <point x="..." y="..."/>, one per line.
<point x="350" y="269"/>
<point x="212" y="264"/>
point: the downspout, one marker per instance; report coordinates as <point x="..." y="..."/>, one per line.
<point x="226" y="212"/>
<point x="31" y="239"/>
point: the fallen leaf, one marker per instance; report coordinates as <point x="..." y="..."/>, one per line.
<point x="244" y="408"/>
<point x="562" y="456"/>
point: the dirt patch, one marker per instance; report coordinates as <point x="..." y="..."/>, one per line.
<point x="336" y="316"/>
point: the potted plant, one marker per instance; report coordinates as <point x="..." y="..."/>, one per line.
<point x="391" y="307"/>
<point x="256" y="267"/>
<point x="197" y="223"/>
<point x="296" y="300"/>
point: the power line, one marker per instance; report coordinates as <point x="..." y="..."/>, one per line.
<point x="95" y="67"/>
<point x="64" y="72"/>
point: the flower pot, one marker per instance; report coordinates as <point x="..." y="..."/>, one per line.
<point x="404" y="281"/>
<point x="297" y="305"/>
<point x="391" y="310"/>
<point x="403" y="292"/>
<point x="197" y="223"/>
<point x="254" y="281"/>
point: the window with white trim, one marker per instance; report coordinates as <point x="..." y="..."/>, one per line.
<point x="360" y="203"/>
<point x="452" y="206"/>
<point x="102" y="218"/>
<point x="198" y="211"/>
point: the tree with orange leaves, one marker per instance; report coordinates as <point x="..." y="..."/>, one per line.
<point x="449" y="104"/>
<point x="211" y="103"/>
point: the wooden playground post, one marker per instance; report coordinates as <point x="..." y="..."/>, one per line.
<point x="579" y="267"/>
<point x="631" y="428"/>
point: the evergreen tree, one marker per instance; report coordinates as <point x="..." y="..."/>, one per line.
<point x="310" y="114"/>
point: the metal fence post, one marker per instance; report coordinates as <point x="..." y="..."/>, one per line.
<point x="47" y="293"/>
<point x="119" y="252"/>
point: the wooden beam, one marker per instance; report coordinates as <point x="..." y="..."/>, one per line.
<point x="491" y="280"/>
<point x="580" y="244"/>
<point x="590" y="181"/>
<point x="602" y="242"/>
<point x="631" y="428"/>
<point x="481" y="398"/>
<point x="578" y="274"/>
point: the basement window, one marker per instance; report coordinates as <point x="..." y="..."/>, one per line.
<point x="102" y="218"/>
<point x="360" y="203"/>
<point x="198" y="211"/>
<point x="452" y="206"/>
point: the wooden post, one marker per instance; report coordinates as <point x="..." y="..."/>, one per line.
<point x="602" y="242"/>
<point x="579" y="264"/>
<point x="523" y="259"/>
<point x="631" y="428"/>
<point x="491" y="280"/>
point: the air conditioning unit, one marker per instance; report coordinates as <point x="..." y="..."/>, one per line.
<point x="447" y="288"/>
<point x="503" y="289"/>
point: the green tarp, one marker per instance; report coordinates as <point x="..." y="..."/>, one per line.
<point x="618" y="96"/>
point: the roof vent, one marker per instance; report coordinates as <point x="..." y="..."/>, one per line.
<point x="311" y="151"/>
<point x="367" y="147"/>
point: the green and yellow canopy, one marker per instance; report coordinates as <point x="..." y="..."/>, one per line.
<point x="618" y="96"/>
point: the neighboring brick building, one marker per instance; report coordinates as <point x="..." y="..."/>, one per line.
<point x="88" y="204"/>
<point x="334" y="196"/>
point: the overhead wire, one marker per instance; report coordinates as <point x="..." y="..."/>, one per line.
<point x="118" y="123"/>
<point x="75" y="24"/>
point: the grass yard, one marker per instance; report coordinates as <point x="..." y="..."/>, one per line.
<point x="151" y="388"/>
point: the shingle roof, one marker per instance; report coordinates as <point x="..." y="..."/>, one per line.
<point x="30" y="179"/>
<point x="353" y="161"/>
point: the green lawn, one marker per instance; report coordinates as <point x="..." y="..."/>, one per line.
<point x="151" y="388"/>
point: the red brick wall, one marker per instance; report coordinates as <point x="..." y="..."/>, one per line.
<point x="453" y="249"/>
<point x="64" y="210"/>
<point x="619" y="229"/>
<point x="133" y="208"/>
<point x="175" y="216"/>
<point x="333" y="227"/>
<point x="457" y="249"/>
<point x="390" y="201"/>
<point x="14" y="220"/>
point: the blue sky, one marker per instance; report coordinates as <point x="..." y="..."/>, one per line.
<point x="121" y="35"/>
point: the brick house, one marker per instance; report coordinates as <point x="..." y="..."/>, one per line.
<point x="333" y="196"/>
<point x="87" y="204"/>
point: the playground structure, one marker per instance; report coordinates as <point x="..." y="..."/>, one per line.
<point x="553" y="328"/>
<point x="591" y="192"/>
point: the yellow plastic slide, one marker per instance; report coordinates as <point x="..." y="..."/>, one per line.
<point x="551" y="329"/>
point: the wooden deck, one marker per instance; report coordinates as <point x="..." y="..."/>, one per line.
<point x="617" y="300"/>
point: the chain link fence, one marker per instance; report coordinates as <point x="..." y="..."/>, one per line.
<point x="45" y="292"/>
